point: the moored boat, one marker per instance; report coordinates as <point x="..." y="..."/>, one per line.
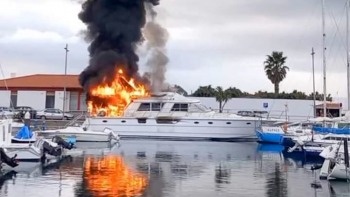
<point x="80" y="134"/>
<point x="174" y="117"/>
<point x="335" y="165"/>
<point x="24" y="135"/>
<point x="29" y="152"/>
<point x="282" y="134"/>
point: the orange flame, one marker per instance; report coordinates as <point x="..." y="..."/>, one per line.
<point x="110" y="176"/>
<point x="119" y="95"/>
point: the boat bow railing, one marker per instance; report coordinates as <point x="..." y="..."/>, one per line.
<point x="74" y="120"/>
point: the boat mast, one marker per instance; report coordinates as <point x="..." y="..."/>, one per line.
<point x="313" y="79"/>
<point x="347" y="51"/>
<point x="324" y="59"/>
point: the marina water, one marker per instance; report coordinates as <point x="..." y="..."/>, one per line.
<point x="173" y="169"/>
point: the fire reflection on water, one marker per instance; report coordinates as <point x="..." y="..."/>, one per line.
<point x="110" y="176"/>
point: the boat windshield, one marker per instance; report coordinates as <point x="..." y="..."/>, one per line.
<point x="203" y="107"/>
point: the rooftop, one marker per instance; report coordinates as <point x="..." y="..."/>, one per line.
<point x="42" y="81"/>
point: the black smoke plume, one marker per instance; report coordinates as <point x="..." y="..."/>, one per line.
<point x="114" y="30"/>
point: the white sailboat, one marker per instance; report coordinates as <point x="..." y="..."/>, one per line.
<point x="334" y="166"/>
<point x="175" y="117"/>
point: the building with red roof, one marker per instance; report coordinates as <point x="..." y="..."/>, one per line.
<point x="42" y="91"/>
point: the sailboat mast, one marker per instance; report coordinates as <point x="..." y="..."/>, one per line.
<point x="324" y="58"/>
<point x="347" y="51"/>
<point x="313" y="79"/>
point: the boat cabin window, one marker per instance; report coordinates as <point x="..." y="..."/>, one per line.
<point x="157" y="106"/>
<point x="180" y="107"/>
<point x="343" y="126"/>
<point x="150" y="107"/>
<point x="145" y="107"/>
<point x="335" y="138"/>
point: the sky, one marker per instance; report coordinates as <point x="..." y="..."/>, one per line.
<point x="219" y="43"/>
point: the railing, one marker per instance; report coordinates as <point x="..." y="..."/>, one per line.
<point x="80" y="116"/>
<point x="75" y="120"/>
<point x="293" y="118"/>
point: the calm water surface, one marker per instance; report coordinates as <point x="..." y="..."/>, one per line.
<point x="169" y="169"/>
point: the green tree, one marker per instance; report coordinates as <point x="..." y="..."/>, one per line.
<point x="234" y="92"/>
<point x="275" y="69"/>
<point x="204" y="91"/>
<point x="222" y="97"/>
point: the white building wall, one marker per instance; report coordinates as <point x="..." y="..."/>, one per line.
<point x="5" y="98"/>
<point x="297" y="109"/>
<point x="34" y="99"/>
<point x="59" y="95"/>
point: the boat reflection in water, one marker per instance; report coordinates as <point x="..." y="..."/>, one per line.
<point x="339" y="188"/>
<point x="167" y="169"/>
<point x="110" y="176"/>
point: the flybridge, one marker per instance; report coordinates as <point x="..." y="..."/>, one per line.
<point x="170" y="97"/>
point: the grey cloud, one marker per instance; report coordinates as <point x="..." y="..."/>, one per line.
<point x="230" y="37"/>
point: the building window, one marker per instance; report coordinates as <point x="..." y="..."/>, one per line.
<point x="180" y="107"/>
<point x="50" y="100"/>
<point x="73" y="101"/>
<point x="13" y="100"/>
<point x="83" y="106"/>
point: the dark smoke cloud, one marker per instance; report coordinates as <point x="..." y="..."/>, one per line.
<point x="114" y="30"/>
<point x="156" y="37"/>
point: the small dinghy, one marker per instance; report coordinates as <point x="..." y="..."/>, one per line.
<point x="32" y="151"/>
<point x="80" y="134"/>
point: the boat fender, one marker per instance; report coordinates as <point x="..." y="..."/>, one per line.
<point x="285" y="127"/>
<point x="12" y="162"/>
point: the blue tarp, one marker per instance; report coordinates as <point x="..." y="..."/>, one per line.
<point x="24" y="133"/>
<point x="331" y="130"/>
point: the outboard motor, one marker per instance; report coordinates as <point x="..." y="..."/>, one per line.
<point x="60" y="141"/>
<point x="51" y="150"/>
<point x="6" y="159"/>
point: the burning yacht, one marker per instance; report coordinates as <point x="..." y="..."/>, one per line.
<point x="173" y="116"/>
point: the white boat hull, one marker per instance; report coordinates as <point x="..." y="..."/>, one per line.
<point x="340" y="172"/>
<point x="325" y="169"/>
<point x="183" y="129"/>
<point x="78" y="133"/>
<point x="24" y="152"/>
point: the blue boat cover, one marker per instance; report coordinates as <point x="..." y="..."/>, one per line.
<point x="331" y="130"/>
<point x="24" y="133"/>
<point x="71" y="140"/>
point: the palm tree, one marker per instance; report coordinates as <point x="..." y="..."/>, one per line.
<point x="222" y="97"/>
<point x="275" y="69"/>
